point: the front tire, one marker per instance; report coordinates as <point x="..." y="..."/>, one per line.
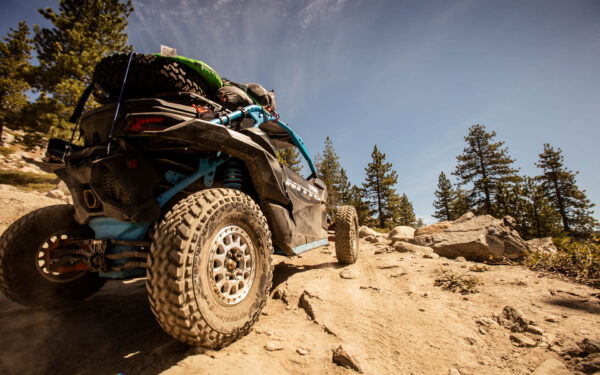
<point x="346" y="235"/>
<point x="210" y="269"/>
<point x="24" y="275"/>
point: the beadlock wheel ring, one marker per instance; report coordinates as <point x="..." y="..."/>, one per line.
<point x="231" y="265"/>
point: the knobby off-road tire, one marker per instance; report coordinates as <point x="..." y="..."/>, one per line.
<point x="346" y="235"/>
<point x="194" y="247"/>
<point x="22" y="275"/>
<point x="148" y="75"/>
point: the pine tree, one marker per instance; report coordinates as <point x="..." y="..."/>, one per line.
<point x="290" y="157"/>
<point x="82" y="32"/>
<point x="561" y="190"/>
<point x="483" y="163"/>
<point x="444" y="195"/>
<point x="15" y="53"/>
<point x="405" y="213"/>
<point x="357" y="199"/>
<point x="541" y="218"/>
<point x="379" y="186"/>
<point x="461" y="203"/>
<point x="330" y="173"/>
<point x="343" y="188"/>
<point x="420" y="223"/>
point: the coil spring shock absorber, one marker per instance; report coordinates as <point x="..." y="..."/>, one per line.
<point x="233" y="175"/>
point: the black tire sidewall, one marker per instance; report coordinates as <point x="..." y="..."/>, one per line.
<point x="21" y="243"/>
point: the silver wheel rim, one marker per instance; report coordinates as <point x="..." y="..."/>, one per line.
<point x="353" y="237"/>
<point x="42" y="264"/>
<point x="232" y="260"/>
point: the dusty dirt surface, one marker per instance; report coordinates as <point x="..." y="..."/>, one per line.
<point x="385" y="312"/>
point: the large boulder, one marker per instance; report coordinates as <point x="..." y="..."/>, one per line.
<point x="401" y="233"/>
<point x="366" y="231"/>
<point x="479" y="238"/>
<point x="433" y="228"/>
<point x="405" y="247"/>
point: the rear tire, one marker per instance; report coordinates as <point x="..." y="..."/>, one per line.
<point x="210" y="269"/>
<point x="148" y="75"/>
<point x="22" y="276"/>
<point x="346" y="235"/>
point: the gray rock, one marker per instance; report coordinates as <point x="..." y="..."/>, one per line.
<point x="551" y="367"/>
<point x="342" y="358"/>
<point x="387" y="265"/>
<point x="433" y="228"/>
<point x="479" y="238"/>
<point x="550" y="339"/>
<point x="522" y="340"/>
<point x="590" y="364"/>
<point x="273" y="346"/>
<point x="514" y="319"/>
<point x="366" y="231"/>
<point x="535" y="330"/>
<point x="404" y="247"/>
<point x="347" y="274"/>
<point x="302" y="351"/>
<point x="401" y="233"/>
<point x="466" y="217"/>
<point x="307" y="302"/>
<point x="589" y="346"/>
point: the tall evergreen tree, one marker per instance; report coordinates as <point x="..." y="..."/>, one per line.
<point x="357" y="199"/>
<point x="444" y="196"/>
<point x="290" y="157"/>
<point x="82" y="32"/>
<point x="404" y="212"/>
<point x="330" y="173"/>
<point x="483" y="163"/>
<point x="561" y="190"/>
<point x="461" y="204"/>
<point x="15" y="53"/>
<point x="420" y="223"/>
<point x="379" y="186"/>
<point x="344" y="188"/>
<point x="542" y="220"/>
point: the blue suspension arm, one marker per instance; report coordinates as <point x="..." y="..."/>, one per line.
<point x="261" y="116"/>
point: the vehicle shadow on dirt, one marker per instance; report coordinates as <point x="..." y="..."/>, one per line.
<point x="111" y="332"/>
<point x="284" y="270"/>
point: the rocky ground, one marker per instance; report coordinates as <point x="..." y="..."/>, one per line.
<point x="382" y="315"/>
<point x="398" y="310"/>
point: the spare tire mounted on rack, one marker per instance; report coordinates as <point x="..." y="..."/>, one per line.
<point x="150" y="75"/>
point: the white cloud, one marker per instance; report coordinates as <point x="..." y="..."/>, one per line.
<point x="317" y="9"/>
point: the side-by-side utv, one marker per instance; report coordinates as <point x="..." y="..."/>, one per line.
<point x="174" y="180"/>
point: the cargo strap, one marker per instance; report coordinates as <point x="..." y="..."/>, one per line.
<point x="112" y="128"/>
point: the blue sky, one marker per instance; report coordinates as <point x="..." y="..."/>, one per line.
<point x="409" y="76"/>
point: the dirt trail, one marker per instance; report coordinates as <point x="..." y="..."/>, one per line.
<point x="389" y="316"/>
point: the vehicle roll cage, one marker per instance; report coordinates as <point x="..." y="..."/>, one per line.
<point x="260" y="116"/>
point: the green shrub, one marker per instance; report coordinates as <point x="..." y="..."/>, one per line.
<point x="577" y="259"/>
<point x="457" y="283"/>
<point x="29" y="181"/>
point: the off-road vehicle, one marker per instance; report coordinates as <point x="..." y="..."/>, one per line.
<point x="175" y="181"/>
